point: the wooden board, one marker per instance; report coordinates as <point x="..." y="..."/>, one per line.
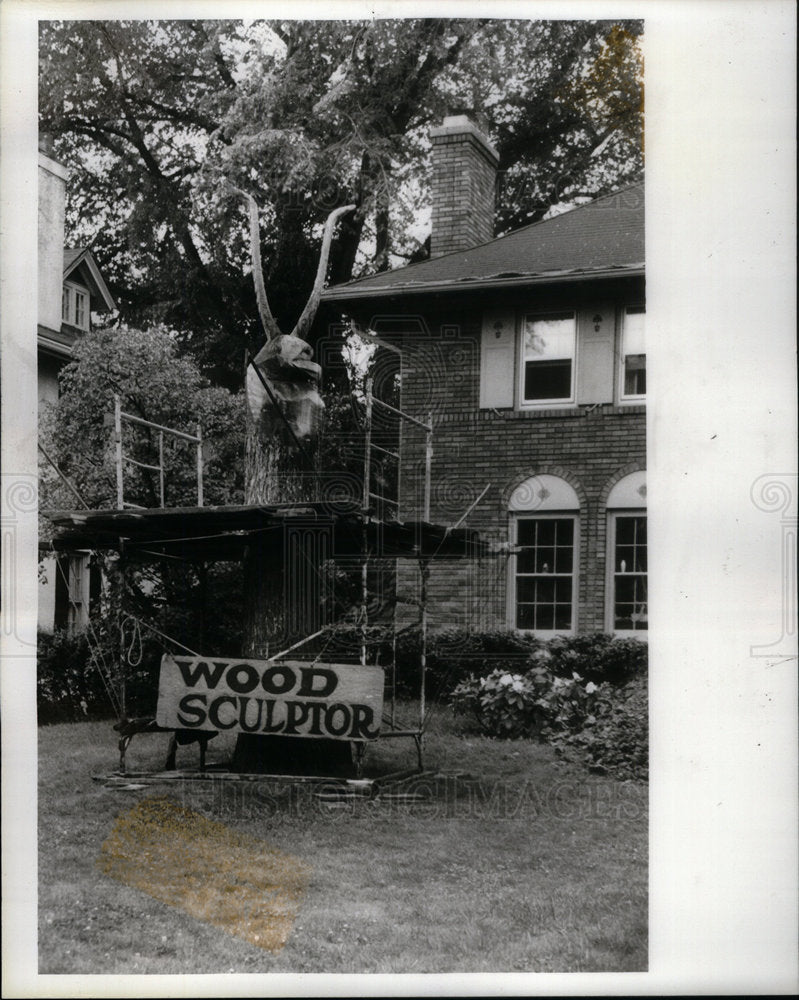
<point x="278" y="698"/>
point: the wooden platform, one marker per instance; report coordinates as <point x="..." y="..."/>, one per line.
<point x="210" y="534"/>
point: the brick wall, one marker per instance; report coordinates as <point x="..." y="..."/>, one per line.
<point x="590" y="447"/>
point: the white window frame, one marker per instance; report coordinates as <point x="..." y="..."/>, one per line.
<point x="548" y="515"/>
<point x="70" y="296"/>
<point x="610" y="585"/>
<point x="555" y="403"/>
<point x="631" y="398"/>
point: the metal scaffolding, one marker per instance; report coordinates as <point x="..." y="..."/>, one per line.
<point x="120" y="419"/>
<point x="208" y="534"/>
<point x="368" y="496"/>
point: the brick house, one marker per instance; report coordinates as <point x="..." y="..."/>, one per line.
<point x="527" y="352"/>
<point x="70" y="289"/>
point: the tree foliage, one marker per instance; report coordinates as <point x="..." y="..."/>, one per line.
<point x="153" y="382"/>
<point x="157" y="119"/>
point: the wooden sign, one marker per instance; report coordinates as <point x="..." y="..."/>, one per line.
<point x="278" y="698"/>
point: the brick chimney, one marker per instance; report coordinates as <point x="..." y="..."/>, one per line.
<point x="464" y="186"/>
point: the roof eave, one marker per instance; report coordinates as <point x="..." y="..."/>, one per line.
<point x="346" y="293"/>
<point x="57" y="343"/>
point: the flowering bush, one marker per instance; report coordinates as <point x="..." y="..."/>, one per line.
<point x="614" y="739"/>
<point x="532" y="704"/>
<point x="574" y="703"/>
<point x="503" y="704"/>
<point x="601" y="725"/>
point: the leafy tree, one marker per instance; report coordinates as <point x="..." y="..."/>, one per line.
<point x="153" y="382"/>
<point x="157" y="119"/>
<point x="563" y="102"/>
<point x="144" y="369"/>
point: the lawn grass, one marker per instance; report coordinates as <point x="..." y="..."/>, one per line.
<point x="507" y="860"/>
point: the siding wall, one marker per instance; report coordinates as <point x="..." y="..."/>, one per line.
<point x="52" y="196"/>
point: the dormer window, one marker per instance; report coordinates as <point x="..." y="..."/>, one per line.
<point x="75" y="306"/>
<point x="81" y="311"/>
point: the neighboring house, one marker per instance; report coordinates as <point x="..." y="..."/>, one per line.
<point x="70" y="289"/>
<point x="528" y="353"/>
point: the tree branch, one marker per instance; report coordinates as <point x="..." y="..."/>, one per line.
<point x="100" y="136"/>
<point x="222" y="67"/>
<point x="185" y="116"/>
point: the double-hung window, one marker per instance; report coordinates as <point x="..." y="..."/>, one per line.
<point x="562" y="358"/>
<point x="548" y="358"/>
<point x="628" y="598"/>
<point x="543" y="570"/>
<point x="545" y="573"/>
<point x="630" y="601"/>
<point x="75" y="306"/>
<point x="633" y="354"/>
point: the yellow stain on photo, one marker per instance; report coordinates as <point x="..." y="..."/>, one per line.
<point x="229" y="879"/>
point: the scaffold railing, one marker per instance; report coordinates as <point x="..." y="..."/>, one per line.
<point x="120" y="419"/>
<point x="368" y="496"/>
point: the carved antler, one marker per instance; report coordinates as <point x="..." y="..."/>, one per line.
<point x="271" y="329"/>
<point x="308" y="313"/>
<point x="282" y="390"/>
<point x="303" y="325"/>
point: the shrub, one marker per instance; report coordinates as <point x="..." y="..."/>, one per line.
<point x="531" y="704"/>
<point x="572" y="703"/>
<point x="70" y="686"/>
<point x="600" y="725"/>
<point x="616" y="739"/>
<point x="454" y="655"/>
<point x="596" y="657"/>
<point x="65" y="689"/>
<point x="503" y="704"/>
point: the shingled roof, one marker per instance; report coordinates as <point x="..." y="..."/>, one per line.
<point x="71" y="254"/>
<point x="601" y="239"/>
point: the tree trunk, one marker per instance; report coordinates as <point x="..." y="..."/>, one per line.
<point x="278" y="473"/>
<point x="283" y="411"/>
<point x="382" y="242"/>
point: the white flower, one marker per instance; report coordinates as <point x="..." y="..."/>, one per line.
<point x="590" y="687"/>
<point x="506" y="679"/>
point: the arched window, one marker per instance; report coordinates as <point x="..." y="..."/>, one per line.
<point x="627" y="610"/>
<point x="543" y="567"/>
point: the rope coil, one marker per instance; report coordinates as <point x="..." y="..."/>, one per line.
<point x="132" y="659"/>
